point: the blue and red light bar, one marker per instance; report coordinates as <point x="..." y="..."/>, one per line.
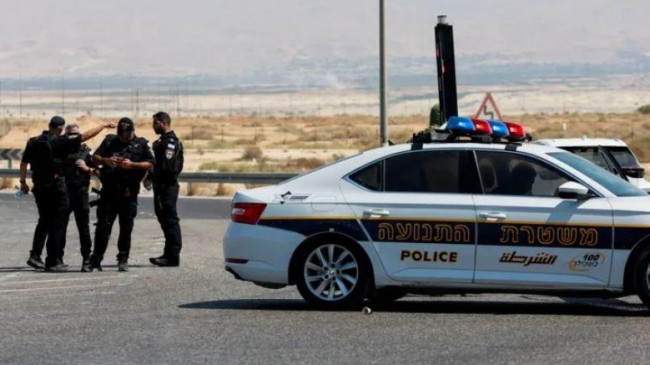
<point x="464" y="126"/>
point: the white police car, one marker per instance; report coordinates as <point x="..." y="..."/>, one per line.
<point x="609" y="153"/>
<point x="446" y="217"/>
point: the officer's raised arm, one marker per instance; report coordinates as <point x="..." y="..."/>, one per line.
<point x="95" y="131"/>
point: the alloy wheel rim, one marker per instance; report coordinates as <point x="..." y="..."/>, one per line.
<point x="331" y="272"/>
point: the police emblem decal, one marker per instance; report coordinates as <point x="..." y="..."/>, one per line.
<point x="169" y="153"/>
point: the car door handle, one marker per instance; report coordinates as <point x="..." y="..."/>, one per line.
<point x="376" y="212"/>
<point x="492" y="215"/>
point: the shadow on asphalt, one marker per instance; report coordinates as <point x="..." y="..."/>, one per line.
<point x="252" y="304"/>
<point x="70" y="269"/>
<point x="15" y="269"/>
<point x="575" y="307"/>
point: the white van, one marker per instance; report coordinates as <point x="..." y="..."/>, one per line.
<point x="611" y="154"/>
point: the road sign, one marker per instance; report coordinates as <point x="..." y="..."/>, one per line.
<point x="488" y="109"/>
<point x="11" y="154"/>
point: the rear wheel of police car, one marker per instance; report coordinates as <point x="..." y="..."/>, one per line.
<point x="332" y="274"/>
<point x="642" y="277"/>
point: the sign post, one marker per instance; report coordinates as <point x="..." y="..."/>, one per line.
<point x="488" y="109"/>
<point x="11" y="155"/>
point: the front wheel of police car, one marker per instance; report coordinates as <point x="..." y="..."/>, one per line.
<point x="642" y="277"/>
<point x="332" y="274"/>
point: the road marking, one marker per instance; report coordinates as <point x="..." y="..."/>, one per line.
<point x="12" y="275"/>
<point x="52" y="288"/>
<point x="68" y="279"/>
<point x="17" y="296"/>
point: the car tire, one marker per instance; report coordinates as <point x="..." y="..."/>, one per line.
<point x="642" y="277"/>
<point x="333" y="274"/>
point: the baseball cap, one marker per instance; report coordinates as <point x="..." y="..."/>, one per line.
<point x="57" y="122"/>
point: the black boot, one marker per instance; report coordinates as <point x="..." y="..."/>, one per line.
<point x="123" y="261"/>
<point x="56" y="266"/>
<point x="165" y="261"/>
<point x="85" y="265"/>
<point x="36" y="262"/>
<point x="123" y="265"/>
<point x="95" y="264"/>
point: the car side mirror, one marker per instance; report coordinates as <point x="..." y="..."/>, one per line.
<point x="574" y="190"/>
<point x="635" y="172"/>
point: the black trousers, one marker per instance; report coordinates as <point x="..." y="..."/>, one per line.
<point x="165" y="196"/>
<point x="112" y="205"/>
<point x="78" y="196"/>
<point x="53" y="204"/>
<point x="40" y="234"/>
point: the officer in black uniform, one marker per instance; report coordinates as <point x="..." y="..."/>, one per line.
<point x="124" y="160"/>
<point x="77" y="169"/>
<point x="44" y="154"/>
<point x="168" y="151"/>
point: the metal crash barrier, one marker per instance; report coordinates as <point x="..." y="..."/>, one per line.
<point x="207" y="177"/>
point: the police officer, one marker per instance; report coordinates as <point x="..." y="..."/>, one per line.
<point x="124" y="160"/>
<point x="77" y="171"/>
<point x="168" y="151"/>
<point x="44" y="154"/>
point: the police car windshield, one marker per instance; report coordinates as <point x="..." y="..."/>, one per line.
<point x="611" y="182"/>
<point x="624" y="156"/>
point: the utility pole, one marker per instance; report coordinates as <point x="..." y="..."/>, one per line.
<point x="62" y="97"/>
<point x="178" y="102"/>
<point x="101" y="98"/>
<point x="137" y="102"/>
<point x="20" y="97"/>
<point x="383" y="119"/>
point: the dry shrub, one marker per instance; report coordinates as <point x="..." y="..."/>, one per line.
<point x="226" y="189"/>
<point x="219" y="144"/>
<point x="252" y="152"/>
<point x="200" y="134"/>
<point x="207" y="189"/>
<point x="304" y="164"/>
<point x="202" y="189"/>
<point x="244" y="141"/>
<point x="288" y="129"/>
<point x="646" y="126"/>
<point x="641" y="147"/>
<point x="212" y="165"/>
<point x="4" y="127"/>
<point x="8" y="183"/>
<point x="645" y="109"/>
<point x="400" y="135"/>
<point x="254" y="124"/>
<point x="548" y="131"/>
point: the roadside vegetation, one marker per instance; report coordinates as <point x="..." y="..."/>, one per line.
<point x="301" y="143"/>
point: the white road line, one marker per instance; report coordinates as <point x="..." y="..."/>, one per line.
<point x="12" y="275"/>
<point x="53" y="288"/>
<point x="68" y="279"/>
<point x="44" y="297"/>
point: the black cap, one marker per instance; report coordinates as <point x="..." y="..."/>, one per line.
<point x="125" y="124"/>
<point x="57" y="122"/>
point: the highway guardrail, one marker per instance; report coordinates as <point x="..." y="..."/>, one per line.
<point x="208" y="177"/>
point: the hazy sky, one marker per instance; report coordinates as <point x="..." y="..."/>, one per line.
<point x="181" y="37"/>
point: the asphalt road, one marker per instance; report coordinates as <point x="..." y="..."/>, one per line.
<point x="198" y="313"/>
